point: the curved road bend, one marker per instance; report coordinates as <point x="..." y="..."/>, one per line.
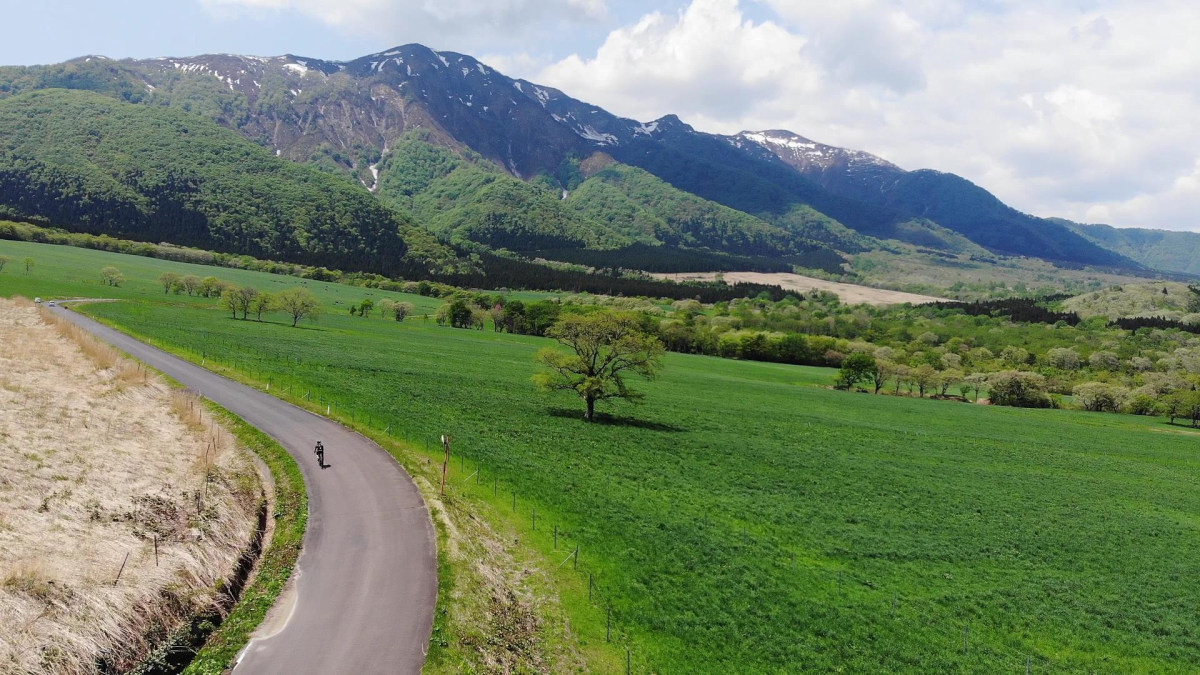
<point x="366" y="580"/>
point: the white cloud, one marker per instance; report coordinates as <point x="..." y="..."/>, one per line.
<point x="460" y="24"/>
<point x="706" y="63"/>
<point x="1059" y="107"/>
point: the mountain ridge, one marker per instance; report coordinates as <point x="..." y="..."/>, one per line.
<point x="342" y="116"/>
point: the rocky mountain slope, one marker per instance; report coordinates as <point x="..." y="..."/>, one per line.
<point x="926" y="194"/>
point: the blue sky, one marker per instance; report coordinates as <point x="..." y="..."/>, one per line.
<point x="1083" y="109"/>
<point x="51" y="31"/>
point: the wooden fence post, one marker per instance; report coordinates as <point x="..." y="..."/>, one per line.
<point x="446" y="464"/>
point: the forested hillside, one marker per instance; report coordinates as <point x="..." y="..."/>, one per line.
<point x="88" y="162"/>
<point x="650" y="210"/>
<point x="712" y="168"/>
<point x="466" y="199"/>
<point x="1156" y="249"/>
<point x="605" y="205"/>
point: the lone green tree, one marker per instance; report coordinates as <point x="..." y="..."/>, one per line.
<point x="3" y="261"/>
<point x="29" y="263"/>
<point x="298" y="303"/>
<point x="111" y="276"/>
<point x="604" y="348"/>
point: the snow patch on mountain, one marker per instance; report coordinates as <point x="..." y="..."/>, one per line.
<point x="590" y="133"/>
<point x="789" y="146"/>
<point x="644" y="129"/>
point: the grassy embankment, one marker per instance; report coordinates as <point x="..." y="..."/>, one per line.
<point x="290" y="515"/>
<point x="746" y="520"/>
<point x="108" y="544"/>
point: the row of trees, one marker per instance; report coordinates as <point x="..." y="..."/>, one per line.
<point x="1167" y="394"/>
<point x="207" y="287"/>
<point x="27" y="262"/>
<point x="388" y="309"/>
<point x="297" y="302"/>
<point x="505" y="315"/>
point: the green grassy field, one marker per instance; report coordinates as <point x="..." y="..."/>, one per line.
<point x="66" y="272"/>
<point x="747" y="519"/>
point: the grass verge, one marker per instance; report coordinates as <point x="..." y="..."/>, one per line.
<point x="275" y="567"/>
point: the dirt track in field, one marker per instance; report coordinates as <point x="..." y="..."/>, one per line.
<point x="849" y="294"/>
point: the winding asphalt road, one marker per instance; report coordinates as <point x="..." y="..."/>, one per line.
<point x="366" y="580"/>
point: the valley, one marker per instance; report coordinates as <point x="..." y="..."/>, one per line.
<point x="855" y="417"/>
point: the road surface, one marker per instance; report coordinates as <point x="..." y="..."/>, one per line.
<point x="366" y="580"/>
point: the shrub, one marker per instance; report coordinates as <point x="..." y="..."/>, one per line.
<point x="1018" y="388"/>
<point x="1100" y="396"/>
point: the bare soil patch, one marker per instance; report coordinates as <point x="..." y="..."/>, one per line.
<point x="849" y="294"/>
<point x="101" y="462"/>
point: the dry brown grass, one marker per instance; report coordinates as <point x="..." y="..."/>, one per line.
<point x="103" y="460"/>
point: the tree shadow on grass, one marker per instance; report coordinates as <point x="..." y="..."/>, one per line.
<point x="285" y="324"/>
<point x="604" y="419"/>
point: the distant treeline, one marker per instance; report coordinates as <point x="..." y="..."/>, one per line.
<point x="1136" y="322"/>
<point x="1028" y="310"/>
<point x="672" y="260"/>
<point x="516" y="274"/>
<point x="688" y="337"/>
<point x="498" y="272"/>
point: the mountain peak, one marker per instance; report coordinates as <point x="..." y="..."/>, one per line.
<point x="672" y="122"/>
<point x="804" y="153"/>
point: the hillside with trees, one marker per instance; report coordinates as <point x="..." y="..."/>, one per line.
<point x="1156" y="249"/>
<point x="1167" y="300"/>
<point x="92" y="164"/>
<point x="468" y="200"/>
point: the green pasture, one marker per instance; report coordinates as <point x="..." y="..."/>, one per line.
<point x="68" y="272"/>
<point x="746" y="518"/>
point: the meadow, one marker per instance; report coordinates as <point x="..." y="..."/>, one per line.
<point x="746" y="518"/>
